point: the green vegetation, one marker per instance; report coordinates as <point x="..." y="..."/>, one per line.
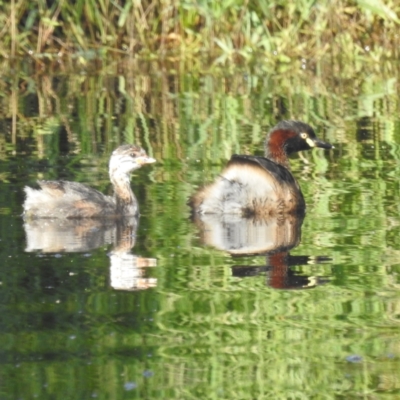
<point x="227" y="31"/>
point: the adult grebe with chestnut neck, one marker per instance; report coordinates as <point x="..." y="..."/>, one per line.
<point x="261" y="186"/>
<point x="66" y="200"/>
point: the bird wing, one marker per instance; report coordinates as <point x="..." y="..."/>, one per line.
<point x="277" y="172"/>
<point x="76" y="199"/>
<point x="78" y="190"/>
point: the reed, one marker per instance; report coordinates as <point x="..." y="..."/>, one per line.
<point x="228" y="31"/>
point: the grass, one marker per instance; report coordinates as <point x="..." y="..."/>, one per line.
<point x="225" y="32"/>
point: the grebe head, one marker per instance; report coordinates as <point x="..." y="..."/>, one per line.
<point x="290" y="136"/>
<point x="127" y="158"/>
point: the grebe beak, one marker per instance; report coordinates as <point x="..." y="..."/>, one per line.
<point x="319" y="143"/>
<point x="145" y="160"/>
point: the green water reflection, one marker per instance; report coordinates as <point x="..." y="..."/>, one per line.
<point x="199" y="330"/>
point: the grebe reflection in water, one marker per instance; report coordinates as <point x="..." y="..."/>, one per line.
<point x="66" y="200"/>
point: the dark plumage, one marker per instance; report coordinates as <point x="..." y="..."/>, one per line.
<point x="260" y="186"/>
<point x="65" y="200"/>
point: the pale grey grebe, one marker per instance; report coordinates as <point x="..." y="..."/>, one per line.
<point x="260" y="186"/>
<point x="63" y="200"/>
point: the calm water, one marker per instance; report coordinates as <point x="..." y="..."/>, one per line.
<point x="181" y="309"/>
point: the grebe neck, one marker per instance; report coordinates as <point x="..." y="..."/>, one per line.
<point x="276" y="147"/>
<point x="278" y="155"/>
<point x="125" y="200"/>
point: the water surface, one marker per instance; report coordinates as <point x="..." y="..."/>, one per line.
<point x="167" y="309"/>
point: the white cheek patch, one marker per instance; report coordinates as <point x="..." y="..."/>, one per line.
<point x="310" y="142"/>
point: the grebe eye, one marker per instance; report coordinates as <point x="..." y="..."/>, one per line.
<point x="304" y="135"/>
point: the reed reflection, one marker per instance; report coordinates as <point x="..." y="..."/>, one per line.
<point x="127" y="271"/>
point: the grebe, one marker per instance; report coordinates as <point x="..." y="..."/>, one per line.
<point x="260" y="186"/>
<point x="65" y="200"/>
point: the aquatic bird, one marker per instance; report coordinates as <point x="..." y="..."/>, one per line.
<point x="260" y="186"/>
<point x="66" y="200"/>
